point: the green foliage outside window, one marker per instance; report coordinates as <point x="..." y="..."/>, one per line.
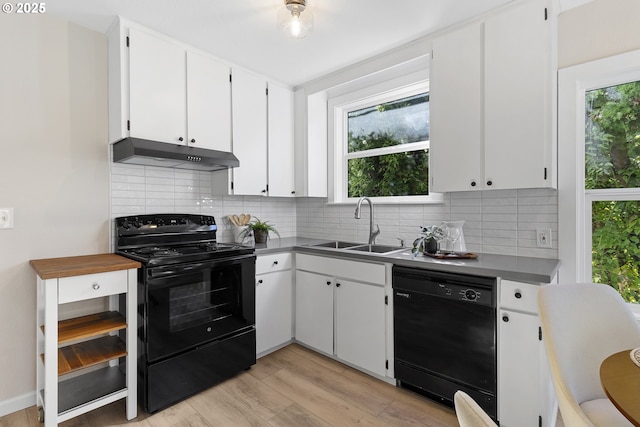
<point x="398" y="174"/>
<point x="612" y="160"/>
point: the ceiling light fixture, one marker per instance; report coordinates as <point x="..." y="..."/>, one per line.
<point x="292" y="21"/>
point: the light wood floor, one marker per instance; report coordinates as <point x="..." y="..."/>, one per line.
<point x="290" y="387"/>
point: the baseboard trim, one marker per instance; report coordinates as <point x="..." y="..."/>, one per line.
<point x="17" y="403"/>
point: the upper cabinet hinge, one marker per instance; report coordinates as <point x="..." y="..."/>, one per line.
<point x="386" y="364"/>
<point x="128" y="124"/>
<point x="266" y="91"/>
<point x="127" y="41"/>
<point x="545" y="173"/>
<point x="539" y="420"/>
<point x="386" y="299"/>
<point x="229" y="78"/>
<point x="232" y="185"/>
<point x="539" y="333"/>
<point x="546" y="14"/>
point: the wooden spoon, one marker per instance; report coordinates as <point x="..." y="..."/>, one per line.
<point x="242" y="219"/>
<point x="235" y="220"/>
<point x="247" y="218"/>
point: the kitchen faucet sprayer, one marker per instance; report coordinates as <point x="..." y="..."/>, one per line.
<point x="372" y="234"/>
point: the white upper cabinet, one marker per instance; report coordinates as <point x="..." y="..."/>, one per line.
<point x="455" y="102"/>
<point x="157" y="89"/>
<point x="280" y="142"/>
<point x="518" y="98"/>
<point x="249" y="107"/>
<point x="208" y="103"/>
<point x="492" y="100"/>
<point x="163" y="91"/>
<point x="263" y="138"/>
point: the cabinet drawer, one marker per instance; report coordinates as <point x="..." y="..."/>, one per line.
<point x="78" y="288"/>
<point x="519" y="296"/>
<point x="346" y="269"/>
<point x="274" y="262"/>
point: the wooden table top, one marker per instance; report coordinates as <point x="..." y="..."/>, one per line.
<point x="620" y="379"/>
<point x="53" y="268"/>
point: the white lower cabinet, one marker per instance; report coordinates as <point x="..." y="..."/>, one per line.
<point x="314" y="310"/>
<point x="341" y="310"/>
<point x="525" y="392"/>
<point x="274" y="302"/>
<point x="360" y="325"/>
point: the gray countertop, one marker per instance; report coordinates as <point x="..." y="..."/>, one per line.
<point x="521" y="269"/>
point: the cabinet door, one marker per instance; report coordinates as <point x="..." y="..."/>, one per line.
<point x="360" y="325"/>
<point x="518" y="374"/>
<point x="518" y="97"/>
<point x="157" y="89"/>
<point x="249" y="109"/>
<point x="274" y="307"/>
<point x="208" y="103"/>
<point x="314" y="310"/>
<point x="281" y="159"/>
<point x="456" y="110"/>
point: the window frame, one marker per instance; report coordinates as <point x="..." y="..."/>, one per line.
<point x="575" y="202"/>
<point x="338" y="109"/>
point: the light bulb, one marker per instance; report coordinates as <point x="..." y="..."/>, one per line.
<point x="295" y="27"/>
<point x="295" y="19"/>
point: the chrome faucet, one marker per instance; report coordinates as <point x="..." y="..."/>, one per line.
<point x="372" y="234"/>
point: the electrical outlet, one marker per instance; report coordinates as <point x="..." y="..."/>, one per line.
<point x="543" y="238"/>
<point x="6" y="218"/>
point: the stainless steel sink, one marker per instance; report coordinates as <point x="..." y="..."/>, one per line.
<point x="337" y="245"/>
<point x="379" y="249"/>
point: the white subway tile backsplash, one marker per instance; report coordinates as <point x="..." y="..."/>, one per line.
<point x="496" y="221"/>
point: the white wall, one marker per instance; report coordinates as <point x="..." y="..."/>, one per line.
<point x="597" y="30"/>
<point x="53" y="172"/>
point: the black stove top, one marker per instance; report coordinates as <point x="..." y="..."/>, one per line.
<point x="172" y="238"/>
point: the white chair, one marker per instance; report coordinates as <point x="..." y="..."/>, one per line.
<point x="469" y="413"/>
<point x="583" y="324"/>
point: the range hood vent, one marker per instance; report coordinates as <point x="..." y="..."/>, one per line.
<point x="138" y="151"/>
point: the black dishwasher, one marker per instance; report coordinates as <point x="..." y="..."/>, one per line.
<point x="445" y="335"/>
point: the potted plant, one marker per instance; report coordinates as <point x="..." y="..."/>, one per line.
<point x="427" y="240"/>
<point x="260" y="230"/>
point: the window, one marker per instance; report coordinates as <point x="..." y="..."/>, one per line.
<point x="599" y="174"/>
<point x="381" y="144"/>
<point x="612" y="185"/>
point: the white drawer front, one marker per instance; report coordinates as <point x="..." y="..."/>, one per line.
<point x="273" y="262"/>
<point x="519" y="296"/>
<point x="343" y="268"/>
<point x="78" y="288"/>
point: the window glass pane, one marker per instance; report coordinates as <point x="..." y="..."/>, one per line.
<point x="615" y="246"/>
<point x="398" y="174"/>
<point x="612" y="137"/>
<point x="396" y="122"/>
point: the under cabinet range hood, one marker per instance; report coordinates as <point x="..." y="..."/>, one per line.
<point x="138" y="151"/>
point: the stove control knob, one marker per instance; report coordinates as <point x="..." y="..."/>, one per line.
<point x="137" y="223"/>
<point x="183" y="220"/>
<point x="126" y="224"/>
<point x="471" y="295"/>
<point x="159" y="221"/>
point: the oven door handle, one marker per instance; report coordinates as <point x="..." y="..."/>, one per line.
<point x="155" y="273"/>
<point x="158" y="272"/>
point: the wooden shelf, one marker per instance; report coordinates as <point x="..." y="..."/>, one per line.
<point x="89" y="326"/>
<point x="88" y="353"/>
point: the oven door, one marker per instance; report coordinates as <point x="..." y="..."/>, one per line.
<point x="186" y="305"/>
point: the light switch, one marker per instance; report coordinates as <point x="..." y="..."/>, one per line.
<point x="6" y="218"/>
